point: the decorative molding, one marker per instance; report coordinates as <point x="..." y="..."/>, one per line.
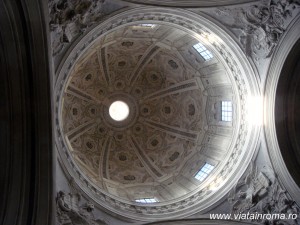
<point x="189" y="3"/>
<point x="150" y="53"/>
<point x="186" y="85"/>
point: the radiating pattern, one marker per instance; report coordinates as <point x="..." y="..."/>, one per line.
<point x="159" y="144"/>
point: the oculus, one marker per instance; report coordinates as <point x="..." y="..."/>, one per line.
<point x="118" y="110"/>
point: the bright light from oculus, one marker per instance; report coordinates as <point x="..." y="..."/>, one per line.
<point x="118" y="110"/>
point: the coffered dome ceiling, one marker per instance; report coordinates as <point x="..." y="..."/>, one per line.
<point x="156" y="71"/>
<point x="174" y="125"/>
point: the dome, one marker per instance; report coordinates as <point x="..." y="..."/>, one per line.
<point x="183" y="130"/>
<point x="118" y="113"/>
<point x="156" y="72"/>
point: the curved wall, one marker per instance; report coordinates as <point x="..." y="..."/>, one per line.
<point x="287" y="111"/>
<point x="280" y="110"/>
<point x="190" y="3"/>
<point x="25" y="119"/>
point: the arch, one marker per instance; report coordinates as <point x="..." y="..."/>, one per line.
<point x="279" y="63"/>
<point x="190" y="3"/>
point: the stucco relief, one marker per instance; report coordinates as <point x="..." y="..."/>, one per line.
<point x="259" y="27"/>
<point x="70" y="18"/>
<point x="70" y="210"/>
<point x="260" y="193"/>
